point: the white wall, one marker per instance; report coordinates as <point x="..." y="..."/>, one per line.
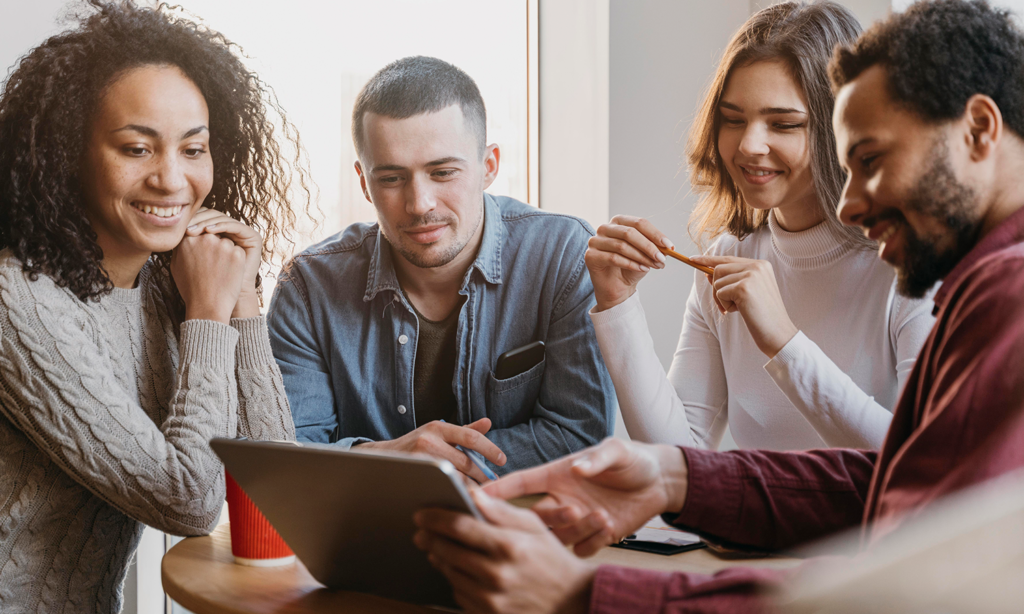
<point x="574" y="108"/>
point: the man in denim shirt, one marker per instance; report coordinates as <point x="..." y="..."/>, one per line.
<point x="385" y="330"/>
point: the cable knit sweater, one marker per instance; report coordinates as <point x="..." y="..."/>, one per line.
<point x="105" y="415"/>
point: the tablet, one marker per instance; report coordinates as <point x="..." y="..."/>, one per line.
<point x="348" y="515"/>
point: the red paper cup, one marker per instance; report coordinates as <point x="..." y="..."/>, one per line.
<point x="253" y="541"/>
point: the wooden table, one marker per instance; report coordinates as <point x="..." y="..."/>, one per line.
<point x="200" y="574"/>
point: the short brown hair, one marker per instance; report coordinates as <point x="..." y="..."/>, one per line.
<point x="420" y="84"/>
<point x="803" y="36"/>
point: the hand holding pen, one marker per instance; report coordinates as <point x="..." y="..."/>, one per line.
<point x="452" y="443"/>
<point x="622" y="253"/>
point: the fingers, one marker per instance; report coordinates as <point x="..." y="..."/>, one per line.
<point x="628" y="240"/>
<point x="600" y="458"/>
<point x="716" y="261"/>
<point x="526" y="482"/>
<point x="481" y="426"/>
<point x="461" y="528"/>
<point x="639" y="260"/>
<point x="439" y="449"/>
<point x="554" y="513"/>
<point x="592" y="528"/>
<point x="600" y="258"/>
<point x="472" y="439"/>
<point x="595" y="543"/>
<point x="503" y="514"/>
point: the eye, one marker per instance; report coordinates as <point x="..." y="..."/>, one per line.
<point x="868" y="161"/>
<point x="788" y="126"/>
<point x="731" y="121"/>
<point x="136" y="151"/>
<point x="389" y="179"/>
<point x="446" y="173"/>
<point x="195" y="152"/>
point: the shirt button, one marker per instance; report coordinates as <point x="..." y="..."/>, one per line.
<point x="402" y="339"/>
<point x="401" y="409"/>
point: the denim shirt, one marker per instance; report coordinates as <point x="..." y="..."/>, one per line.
<point x="345" y="338"/>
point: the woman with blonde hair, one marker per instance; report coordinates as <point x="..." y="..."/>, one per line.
<point x="800" y="338"/>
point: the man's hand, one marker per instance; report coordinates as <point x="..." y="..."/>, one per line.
<point x="512" y="565"/>
<point x="599" y="495"/>
<point x="439" y="439"/>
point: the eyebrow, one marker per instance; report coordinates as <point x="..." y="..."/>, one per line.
<point x="849" y="152"/>
<point x="763" y="111"/>
<point x="395" y="167"/>
<point x="147" y="131"/>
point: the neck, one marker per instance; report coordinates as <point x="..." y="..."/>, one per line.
<point x="123" y="269"/>
<point x="1007" y="198"/>
<point x="435" y="291"/>
<point x="799" y="216"/>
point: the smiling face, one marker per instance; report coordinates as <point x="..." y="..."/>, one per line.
<point x="147" y="165"/>
<point x="903" y="187"/>
<point x="763" y="141"/>
<point x="425" y="176"/>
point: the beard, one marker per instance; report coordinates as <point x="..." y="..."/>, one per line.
<point x="446" y="253"/>
<point x="930" y="257"/>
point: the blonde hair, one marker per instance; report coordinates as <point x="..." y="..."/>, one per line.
<point x="803" y="36"/>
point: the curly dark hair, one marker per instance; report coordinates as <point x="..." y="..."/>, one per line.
<point x="46" y="107"/>
<point x="938" y="54"/>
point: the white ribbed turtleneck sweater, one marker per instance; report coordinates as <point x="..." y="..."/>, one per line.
<point x="833" y="385"/>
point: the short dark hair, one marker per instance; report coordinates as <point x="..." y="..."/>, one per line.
<point x="938" y="54"/>
<point x="415" y="85"/>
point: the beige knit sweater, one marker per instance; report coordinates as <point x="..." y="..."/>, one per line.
<point x="105" y="415"/>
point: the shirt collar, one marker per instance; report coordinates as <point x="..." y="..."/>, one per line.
<point x="1008" y="232"/>
<point x="381" y="275"/>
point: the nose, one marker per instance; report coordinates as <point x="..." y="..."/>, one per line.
<point x="420" y="198"/>
<point x="754" y="141"/>
<point x="853" y="205"/>
<point x="168" y="176"/>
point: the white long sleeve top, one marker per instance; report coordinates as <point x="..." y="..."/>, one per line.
<point x="833" y="385"/>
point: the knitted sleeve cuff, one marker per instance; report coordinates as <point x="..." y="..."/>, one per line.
<point x="253" y="342"/>
<point x="209" y="343"/>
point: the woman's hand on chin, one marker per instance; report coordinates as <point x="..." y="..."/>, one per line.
<point x="211" y="222"/>
<point x="749" y="287"/>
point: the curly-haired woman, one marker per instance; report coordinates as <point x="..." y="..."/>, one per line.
<point x="799" y="339"/>
<point x="137" y="160"/>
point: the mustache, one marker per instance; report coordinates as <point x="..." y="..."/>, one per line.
<point x="427" y="220"/>
<point x="882" y="216"/>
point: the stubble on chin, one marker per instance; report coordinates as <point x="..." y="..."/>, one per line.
<point x="938" y="195"/>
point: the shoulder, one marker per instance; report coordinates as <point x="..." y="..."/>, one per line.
<point x="521" y="218"/>
<point x="750" y="246"/>
<point x="18" y="286"/>
<point x="992" y="288"/>
<point x="349" y="249"/>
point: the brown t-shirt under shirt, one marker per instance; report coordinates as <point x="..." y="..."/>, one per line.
<point x="433" y="398"/>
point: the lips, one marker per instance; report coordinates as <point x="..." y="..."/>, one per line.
<point x="159" y="214"/>
<point x="758" y="175"/>
<point x="426" y="234"/>
<point x="889" y="239"/>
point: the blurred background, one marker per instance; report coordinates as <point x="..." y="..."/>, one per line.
<point x="590" y="101"/>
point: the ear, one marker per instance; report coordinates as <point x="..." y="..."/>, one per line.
<point x="985" y="124"/>
<point x="362" y="182"/>
<point x="492" y="156"/>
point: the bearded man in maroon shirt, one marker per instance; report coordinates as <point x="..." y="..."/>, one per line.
<point x="929" y="120"/>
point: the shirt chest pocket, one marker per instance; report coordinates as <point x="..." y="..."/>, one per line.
<point x="511" y="401"/>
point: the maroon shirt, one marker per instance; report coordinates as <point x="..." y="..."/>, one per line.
<point x="959" y="421"/>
